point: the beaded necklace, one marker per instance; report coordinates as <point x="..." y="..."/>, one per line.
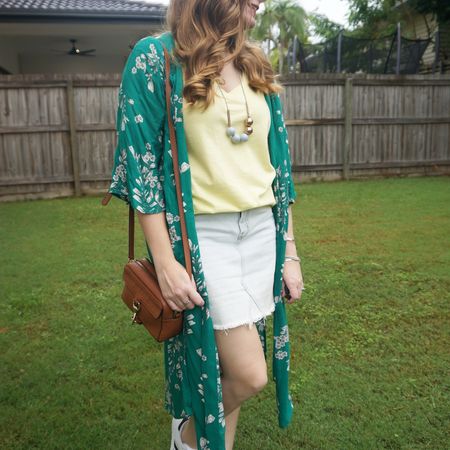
<point x="235" y="137"/>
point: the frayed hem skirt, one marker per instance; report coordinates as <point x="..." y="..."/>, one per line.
<point x="238" y="254"/>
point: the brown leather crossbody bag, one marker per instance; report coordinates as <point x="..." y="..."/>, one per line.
<point x="141" y="291"/>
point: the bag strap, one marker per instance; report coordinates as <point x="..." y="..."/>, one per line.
<point x="176" y="166"/>
<point x="173" y="141"/>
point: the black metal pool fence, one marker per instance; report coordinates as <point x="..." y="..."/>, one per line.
<point x="392" y="54"/>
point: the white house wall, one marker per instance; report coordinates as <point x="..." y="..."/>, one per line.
<point x="42" y="63"/>
<point x="417" y="29"/>
<point x="9" y="57"/>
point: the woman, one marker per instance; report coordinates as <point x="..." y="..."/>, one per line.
<point x="237" y="189"/>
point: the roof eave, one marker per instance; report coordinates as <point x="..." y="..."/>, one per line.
<point x="27" y="15"/>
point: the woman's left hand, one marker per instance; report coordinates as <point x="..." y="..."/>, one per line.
<point x="292" y="280"/>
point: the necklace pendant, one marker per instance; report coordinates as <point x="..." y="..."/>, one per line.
<point x="231" y="131"/>
<point x="248" y="126"/>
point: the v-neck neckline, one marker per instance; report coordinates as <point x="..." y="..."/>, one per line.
<point x="243" y="75"/>
<point x="244" y="80"/>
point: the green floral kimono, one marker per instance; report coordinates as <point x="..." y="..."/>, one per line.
<point x="143" y="176"/>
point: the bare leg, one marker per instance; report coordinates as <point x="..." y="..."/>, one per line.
<point x="244" y="374"/>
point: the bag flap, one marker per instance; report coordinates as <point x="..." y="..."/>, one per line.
<point x="143" y="283"/>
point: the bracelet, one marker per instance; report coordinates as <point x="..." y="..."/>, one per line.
<point x="292" y="258"/>
<point x="288" y="238"/>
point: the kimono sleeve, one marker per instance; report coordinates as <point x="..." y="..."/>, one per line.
<point x="137" y="169"/>
<point x="286" y="157"/>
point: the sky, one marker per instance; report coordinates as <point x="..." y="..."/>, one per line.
<point x="335" y="10"/>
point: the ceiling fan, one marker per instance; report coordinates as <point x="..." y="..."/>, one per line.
<point x="75" y="51"/>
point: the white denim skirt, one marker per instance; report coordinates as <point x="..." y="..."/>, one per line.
<point x="238" y="253"/>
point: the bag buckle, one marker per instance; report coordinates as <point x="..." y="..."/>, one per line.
<point x="136" y="309"/>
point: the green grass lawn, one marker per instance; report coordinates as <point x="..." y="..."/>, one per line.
<point x="370" y="337"/>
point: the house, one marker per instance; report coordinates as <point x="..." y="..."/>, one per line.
<point x="436" y="57"/>
<point x="73" y="36"/>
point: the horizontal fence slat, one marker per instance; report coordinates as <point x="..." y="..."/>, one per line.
<point x="33" y="85"/>
<point x="57" y="128"/>
<point x="288" y="122"/>
<point x="370" y="165"/>
<point x="365" y="79"/>
<point x="295" y="168"/>
<point x="401" y="121"/>
<point x="96" y="127"/>
<point x="34" y="129"/>
<point x="67" y="179"/>
<point x="370" y="121"/>
<point x="44" y="84"/>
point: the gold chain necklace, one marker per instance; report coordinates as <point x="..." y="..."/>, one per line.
<point x="235" y="137"/>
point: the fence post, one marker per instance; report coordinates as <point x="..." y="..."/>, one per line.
<point x="289" y="57"/>
<point x="339" y="52"/>
<point x="73" y="138"/>
<point x="436" y="51"/>
<point x="294" y="54"/>
<point x="280" y="58"/>
<point x="348" y="122"/>
<point x="399" y="48"/>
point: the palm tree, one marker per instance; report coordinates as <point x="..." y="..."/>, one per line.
<point x="277" y="25"/>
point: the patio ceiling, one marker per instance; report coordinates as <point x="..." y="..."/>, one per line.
<point x="35" y="34"/>
<point x="106" y="38"/>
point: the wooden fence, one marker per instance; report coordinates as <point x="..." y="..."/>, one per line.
<point x="368" y="125"/>
<point x="57" y="134"/>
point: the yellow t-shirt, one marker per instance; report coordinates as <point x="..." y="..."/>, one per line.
<point x="228" y="177"/>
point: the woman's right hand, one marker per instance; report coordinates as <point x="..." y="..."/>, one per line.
<point x="173" y="279"/>
<point x="176" y="287"/>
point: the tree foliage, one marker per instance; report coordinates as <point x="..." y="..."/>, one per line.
<point x="278" y="24"/>
<point x="373" y="18"/>
<point x="439" y="8"/>
<point x="321" y="26"/>
<point x="377" y="17"/>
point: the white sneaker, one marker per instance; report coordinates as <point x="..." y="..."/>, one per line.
<point x="176" y="442"/>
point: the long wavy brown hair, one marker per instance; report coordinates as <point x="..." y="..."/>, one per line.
<point x="208" y="34"/>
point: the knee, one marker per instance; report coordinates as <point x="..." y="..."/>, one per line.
<point x="259" y="382"/>
<point x="253" y="382"/>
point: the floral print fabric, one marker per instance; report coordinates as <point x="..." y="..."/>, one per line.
<point x="143" y="176"/>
